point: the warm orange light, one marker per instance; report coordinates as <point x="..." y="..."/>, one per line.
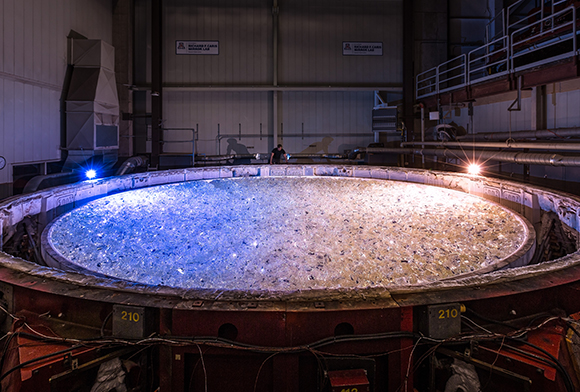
<point x="474" y="169"/>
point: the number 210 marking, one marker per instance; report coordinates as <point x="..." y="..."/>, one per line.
<point x="448" y="313"/>
<point x="130" y="316"/>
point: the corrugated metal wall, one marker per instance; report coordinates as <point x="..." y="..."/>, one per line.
<point x="562" y="111"/>
<point x="495" y="117"/>
<point x="334" y="121"/>
<point x="312" y="33"/>
<point x="243" y="29"/>
<point x="32" y="71"/>
<point x="309" y="54"/>
<point x="217" y="116"/>
<point x="563" y="107"/>
<point x="317" y="123"/>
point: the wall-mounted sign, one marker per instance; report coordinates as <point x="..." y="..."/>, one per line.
<point x="197" y="47"/>
<point x="362" y="48"/>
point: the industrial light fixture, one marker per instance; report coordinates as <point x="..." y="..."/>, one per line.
<point x="474" y="169"/>
<point x="91" y="173"/>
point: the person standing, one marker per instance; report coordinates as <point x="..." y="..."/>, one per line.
<point x="278" y="153"/>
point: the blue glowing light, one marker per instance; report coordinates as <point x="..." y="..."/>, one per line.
<point x="91" y="174"/>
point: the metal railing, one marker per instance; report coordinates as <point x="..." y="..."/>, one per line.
<point x="488" y="61"/>
<point x="179" y="141"/>
<point x="451" y="74"/>
<point x="547" y="39"/>
<point x="446" y="76"/>
<point x="495" y="28"/>
<point x="544" y="10"/>
<point x="555" y="29"/>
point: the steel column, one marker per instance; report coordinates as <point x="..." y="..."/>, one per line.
<point x="275" y="94"/>
<point x="156" y="80"/>
<point x="408" y="67"/>
<point x="123" y="41"/>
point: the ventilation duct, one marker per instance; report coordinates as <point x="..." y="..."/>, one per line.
<point x="92" y="105"/>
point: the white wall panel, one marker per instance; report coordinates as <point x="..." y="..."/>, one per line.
<point x="20" y="65"/>
<point x="32" y="71"/>
<point x="25" y="147"/>
<point x="243" y="29"/>
<point x="206" y="112"/>
<point x="495" y="117"/>
<point x="311" y="36"/>
<point x="563" y="109"/>
<point x="310" y="42"/>
<point x="40" y="54"/>
<point x="21" y="123"/>
<point x="332" y="121"/>
<point x="8" y="31"/>
<point x="310" y="53"/>
<point x="341" y="118"/>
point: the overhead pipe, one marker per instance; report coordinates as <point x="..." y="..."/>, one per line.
<point x="539" y="134"/>
<point x="522" y="158"/>
<point x="508" y="144"/>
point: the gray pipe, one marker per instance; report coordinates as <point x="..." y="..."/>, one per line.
<point x="522" y="158"/>
<point x="130" y="164"/>
<point x="540" y="134"/>
<point x="529" y="145"/>
<point x="54" y="179"/>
